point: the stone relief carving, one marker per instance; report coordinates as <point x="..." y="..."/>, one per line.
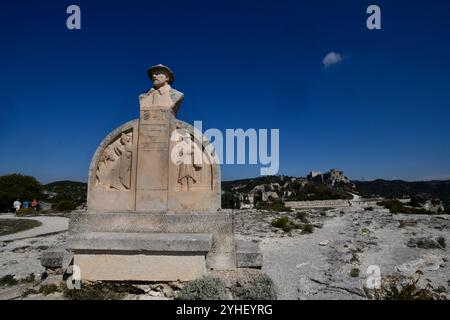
<point x="134" y="168"/>
<point x="193" y="174"/>
<point x="114" y="167"/>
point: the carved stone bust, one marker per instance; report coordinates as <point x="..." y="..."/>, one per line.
<point x="161" y="95"/>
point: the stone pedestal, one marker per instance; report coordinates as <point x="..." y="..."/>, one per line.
<point x="192" y="241"/>
<point x="124" y="256"/>
<point x="140" y="267"/>
<point x="153" y="160"/>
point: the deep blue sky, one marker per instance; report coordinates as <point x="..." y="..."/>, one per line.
<point x="383" y="112"/>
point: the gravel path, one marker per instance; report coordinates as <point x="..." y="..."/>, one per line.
<point x="300" y="267"/>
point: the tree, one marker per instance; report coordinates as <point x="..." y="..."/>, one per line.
<point x="230" y="201"/>
<point x="17" y="186"/>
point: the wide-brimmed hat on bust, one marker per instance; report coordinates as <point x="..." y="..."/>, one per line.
<point x="160" y="67"/>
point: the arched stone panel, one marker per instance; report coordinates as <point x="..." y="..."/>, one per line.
<point x="112" y="173"/>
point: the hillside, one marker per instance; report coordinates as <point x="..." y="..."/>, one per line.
<point x="400" y="188"/>
<point x="73" y="190"/>
<point x="290" y="188"/>
<point x="242" y="193"/>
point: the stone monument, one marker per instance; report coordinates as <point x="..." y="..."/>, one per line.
<point x="154" y="199"/>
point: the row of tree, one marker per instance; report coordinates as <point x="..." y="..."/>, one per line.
<point x="22" y="187"/>
<point x="18" y="187"/>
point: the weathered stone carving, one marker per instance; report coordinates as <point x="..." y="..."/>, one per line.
<point x="161" y="95"/>
<point x="194" y="164"/>
<point x="133" y="168"/>
<point x="114" y="167"/>
<point x="187" y="166"/>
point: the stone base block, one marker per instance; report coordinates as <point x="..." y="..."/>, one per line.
<point x="221" y="256"/>
<point x="138" y="241"/>
<point x="140" y="267"/>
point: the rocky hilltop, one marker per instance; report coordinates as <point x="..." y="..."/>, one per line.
<point x="433" y="196"/>
<point x="262" y="192"/>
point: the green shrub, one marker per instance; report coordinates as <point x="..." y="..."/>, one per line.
<point x="395" y="206"/>
<point x="261" y="288"/>
<point x="97" y="291"/>
<point x="302" y="216"/>
<point x="230" y="200"/>
<point x="47" y="289"/>
<point x="64" y="205"/>
<point x="29" y="279"/>
<point x="206" y="288"/>
<point x="26" y="212"/>
<point x="28" y="291"/>
<point x="8" y="280"/>
<point x="415" y="202"/>
<point x="289" y="227"/>
<point x="308" y="228"/>
<point x="405" y="288"/>
<point x="354" y="273"/>
<point x="284" y="223"/>
<point x="446" y="209"/>
<point x="276" y="205"/>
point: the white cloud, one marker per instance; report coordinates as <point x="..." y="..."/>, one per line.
<point x="331" y="58"/>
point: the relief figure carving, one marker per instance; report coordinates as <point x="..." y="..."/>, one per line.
<point x="193" y="173"/>
<point x="187" y="167"/>
<point x="114" y="168"/>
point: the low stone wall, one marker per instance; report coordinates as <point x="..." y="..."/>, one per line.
<point x="360" y="202"/>
<point x="317" y="204"/>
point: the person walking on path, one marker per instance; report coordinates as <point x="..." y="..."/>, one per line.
<point x="17" y="205"/>
<point x="34" y="204"/>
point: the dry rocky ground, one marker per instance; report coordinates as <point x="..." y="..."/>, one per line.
<point x="329" y="263"/>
